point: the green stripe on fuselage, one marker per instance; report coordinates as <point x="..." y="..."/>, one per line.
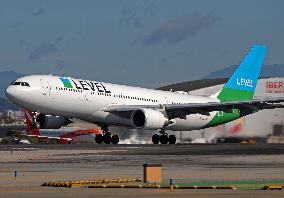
<point x="227" y="95"/>
<point x="221" y="118"/>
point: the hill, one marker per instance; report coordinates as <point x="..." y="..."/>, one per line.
<point x="275" y="70"/>
<point x="5" y="104"/>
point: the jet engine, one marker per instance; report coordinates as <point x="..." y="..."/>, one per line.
<point x="50" y="121"/>
<point x="148" y="119"/>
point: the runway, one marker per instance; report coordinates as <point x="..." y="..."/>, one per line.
<point x="151" y="149"/>
<point x="36" y="164"/>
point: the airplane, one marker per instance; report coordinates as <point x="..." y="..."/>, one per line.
<point x="117" y="105"/>
<point x="66" y="135"/>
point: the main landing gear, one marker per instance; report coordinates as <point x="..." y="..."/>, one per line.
<point x="106" y="137"/>
<point x="163" y="138"/>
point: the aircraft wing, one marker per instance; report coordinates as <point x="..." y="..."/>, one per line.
<point x="181" y="110"/>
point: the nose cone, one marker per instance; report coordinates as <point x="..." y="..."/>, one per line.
<point x="16" y="95"/>
<point x="21" y="92"/>
<point x="10" y="92"/>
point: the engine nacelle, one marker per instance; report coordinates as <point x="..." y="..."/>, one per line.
<point x="148" y="119"/>
<point x="51" y="122"/>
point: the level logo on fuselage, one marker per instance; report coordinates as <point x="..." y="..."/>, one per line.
<point x="84" y="85"/>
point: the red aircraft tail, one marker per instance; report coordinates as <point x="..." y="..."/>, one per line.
<point x="28" y="120"/>
<point x="29" y="124"/>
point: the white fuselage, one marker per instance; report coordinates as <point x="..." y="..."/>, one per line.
<point x="86" y="100"/>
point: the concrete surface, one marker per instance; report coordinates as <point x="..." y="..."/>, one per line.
<point x="185" y="163"/>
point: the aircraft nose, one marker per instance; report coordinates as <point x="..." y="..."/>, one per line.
<point x="9" y="92"/>
<point x="15" y="95"/>
<point x="12" y="94"/>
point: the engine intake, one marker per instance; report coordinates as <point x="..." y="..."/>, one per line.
<point x="148" y="119"/>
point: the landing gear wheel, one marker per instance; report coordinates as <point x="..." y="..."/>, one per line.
<point x="172" y="139"/>
<point x="155" y="139"/>
<point x="99" y="138"/>
<point x="164" y="139"/>
<point x="107" y="138"/>
<point x="114" y="139"/>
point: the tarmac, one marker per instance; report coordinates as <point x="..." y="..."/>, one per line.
<point x="241" y="164"/>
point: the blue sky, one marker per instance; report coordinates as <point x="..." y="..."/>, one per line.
<point x="136" y="42"/>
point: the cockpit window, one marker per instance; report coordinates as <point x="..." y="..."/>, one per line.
<point x="17" y="83"/>
<point x="25" y="84"/>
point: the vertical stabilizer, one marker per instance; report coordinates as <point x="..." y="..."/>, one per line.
<point x="242" y="84"/>
<point x="28" y="121"/>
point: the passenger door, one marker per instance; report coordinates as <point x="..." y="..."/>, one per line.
<point x="45" y="87"/>
<point x="88" y="96"/>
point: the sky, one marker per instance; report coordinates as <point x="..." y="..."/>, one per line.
<point x="145" y="43"/>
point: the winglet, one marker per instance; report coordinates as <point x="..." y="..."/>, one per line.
<point x="242" y="84"/>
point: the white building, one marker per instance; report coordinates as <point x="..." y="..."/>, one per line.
<point x="9" y="113"/>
